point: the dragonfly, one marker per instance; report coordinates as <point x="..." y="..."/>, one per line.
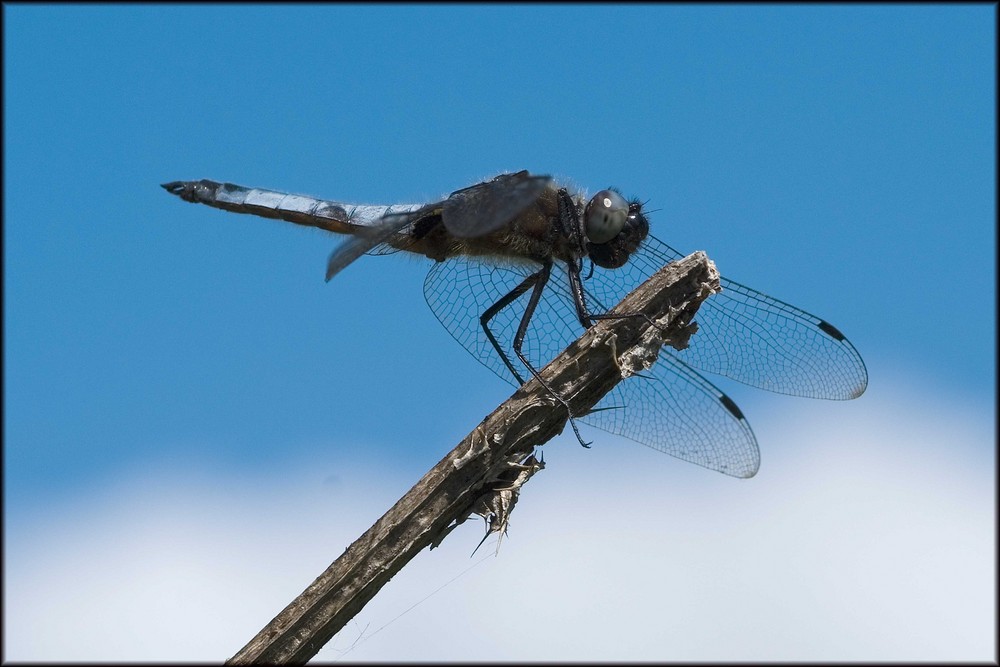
<point x="523" y="265"/>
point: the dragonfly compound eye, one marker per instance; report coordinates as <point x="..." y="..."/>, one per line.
<point x="604" y="216"/>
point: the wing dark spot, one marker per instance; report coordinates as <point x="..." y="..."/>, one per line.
<point x="731" y="406"/>
<point x="831" y="330"/>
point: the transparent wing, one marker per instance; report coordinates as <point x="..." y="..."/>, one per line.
<point x="479" y="209"/>
<point x="485" y="207"/>
<point x="746" y="335"/>
<point x="671" y="408"/>
<point x="371" y="239"/>
<point x="460" y="289"/>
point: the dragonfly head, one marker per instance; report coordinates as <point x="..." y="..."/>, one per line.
<point x="615" y="228"/>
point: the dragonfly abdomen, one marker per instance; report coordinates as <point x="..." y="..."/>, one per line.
<point x="332" y="216"/>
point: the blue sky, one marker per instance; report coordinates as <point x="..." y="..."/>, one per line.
<point x="169" y="367"/>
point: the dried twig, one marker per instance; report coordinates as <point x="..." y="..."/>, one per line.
<point x="482" y="474"/>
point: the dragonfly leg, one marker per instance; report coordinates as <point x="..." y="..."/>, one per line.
<point x="576" y="289"/>
<point x="568" y="225"/>
<point x="489" y="313"/>
<point x="541" y="279"/>
<point x="579" y="300"/>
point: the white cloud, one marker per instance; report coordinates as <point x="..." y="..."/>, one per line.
<point x="868" y="535"/>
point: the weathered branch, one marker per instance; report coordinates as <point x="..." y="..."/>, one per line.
<point x="483" y="473"/>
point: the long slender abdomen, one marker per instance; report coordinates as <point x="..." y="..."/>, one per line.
<point x="302" y="210"/>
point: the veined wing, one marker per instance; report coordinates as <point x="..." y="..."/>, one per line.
<point x="485" y="207"/>
<point x="746" y="335"/>
<point x="479" y="209"/>
<point x="673" y="409"/>
<point x="369" y="238"/>
<point x="670" y="408"/>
